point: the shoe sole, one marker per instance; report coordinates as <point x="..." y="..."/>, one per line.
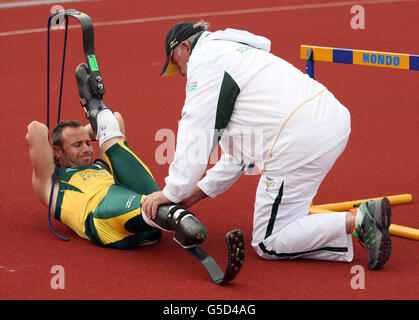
<point x="236" y="254"/>
<point x="382" y="218"/>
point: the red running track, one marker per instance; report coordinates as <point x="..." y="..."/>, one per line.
<point x="381" y="157"/>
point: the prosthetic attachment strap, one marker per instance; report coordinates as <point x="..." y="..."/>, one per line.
<point x="235" y="260"/>
<point x="180" y="216"/>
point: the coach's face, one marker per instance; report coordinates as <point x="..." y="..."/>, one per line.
<point x="77" y="148"/>
<point x="180" y="57"/>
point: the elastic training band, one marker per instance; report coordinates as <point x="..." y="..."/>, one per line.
<point x="54" y="176"/>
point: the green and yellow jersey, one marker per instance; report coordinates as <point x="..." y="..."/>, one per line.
<point x="80" y="191"/>
<point x="105" y="207"/>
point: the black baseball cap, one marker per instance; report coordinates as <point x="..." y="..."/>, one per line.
<point x="178" y="33"/>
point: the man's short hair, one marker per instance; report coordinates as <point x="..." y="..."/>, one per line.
<point x="57" y="132"/>
<point x="202" y="25"/>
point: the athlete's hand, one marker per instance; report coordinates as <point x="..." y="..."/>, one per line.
<point x="152" y="202"/>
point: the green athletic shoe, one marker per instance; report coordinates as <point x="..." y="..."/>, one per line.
<point x="373" y="231"/>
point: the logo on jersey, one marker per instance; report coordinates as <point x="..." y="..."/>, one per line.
<point x="129" y="201"/>
<point x="191" y="86"/>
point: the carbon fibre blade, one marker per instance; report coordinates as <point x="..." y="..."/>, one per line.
<point x="214" y="271"/>
<point x="235" y="259"/>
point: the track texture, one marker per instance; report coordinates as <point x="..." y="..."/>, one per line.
<point x="380" y="159"/>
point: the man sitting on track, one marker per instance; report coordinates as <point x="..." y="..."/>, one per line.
<point x="101" y="201"/>
<point x="234" y="84"/>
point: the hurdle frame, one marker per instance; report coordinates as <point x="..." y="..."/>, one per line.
<point x="394" y="229"/>
<point x="357" y="57"/>
<point x="403" y="61"/>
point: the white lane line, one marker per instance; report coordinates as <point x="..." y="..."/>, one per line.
<point x="217" y="13"/>
<point x="36" y="3"/>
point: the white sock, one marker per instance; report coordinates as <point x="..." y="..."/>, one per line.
<point x="358" y="218"/>
<point x="149" y="222"/>
<point x="107" y="126"/>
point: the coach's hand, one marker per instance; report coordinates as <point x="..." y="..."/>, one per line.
<point x="196" y="195"/>
<point x="152" y="202"/>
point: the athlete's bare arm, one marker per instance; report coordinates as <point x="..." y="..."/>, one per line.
<point x="42" y="159"/>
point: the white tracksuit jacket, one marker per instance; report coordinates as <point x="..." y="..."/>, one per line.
<point x="273" y="115"/>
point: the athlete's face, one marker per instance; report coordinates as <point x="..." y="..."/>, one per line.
<point x="180" y="57"/>
<point x="77" y="148"/>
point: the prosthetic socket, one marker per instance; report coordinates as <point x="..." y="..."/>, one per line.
<point x="189" y="231"/>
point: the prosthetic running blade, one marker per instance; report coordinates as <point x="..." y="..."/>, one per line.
<point x="235" y="260"/>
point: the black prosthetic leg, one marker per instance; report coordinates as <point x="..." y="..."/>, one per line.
<point x="189" y="231"/>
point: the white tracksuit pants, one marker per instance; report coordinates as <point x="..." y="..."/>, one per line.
<point x="282" y="227"/>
